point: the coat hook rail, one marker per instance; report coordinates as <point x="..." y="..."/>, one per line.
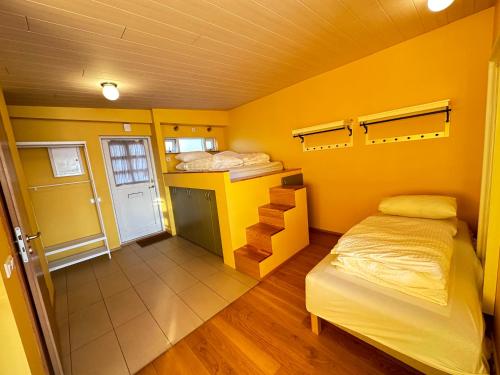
<point x="442" y="106"/>
<point x="324" y="128"/>
<point x="301" y="136"/>
<point x="365" y="124"/>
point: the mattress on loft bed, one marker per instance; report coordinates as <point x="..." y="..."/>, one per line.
<point x="448" y="338"/>
<point x="255" y="170"/>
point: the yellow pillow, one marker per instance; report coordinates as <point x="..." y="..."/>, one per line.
<point x="424" y="206"/>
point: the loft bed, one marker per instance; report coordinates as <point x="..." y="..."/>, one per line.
<point x="245" y="171"/>
<point x="238" y="166"/>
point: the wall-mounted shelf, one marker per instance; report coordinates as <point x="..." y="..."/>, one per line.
<point x="442" y="106"/>
<point x="302" y="133"/>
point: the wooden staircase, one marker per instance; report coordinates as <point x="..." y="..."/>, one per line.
<point x="259" y="236"/>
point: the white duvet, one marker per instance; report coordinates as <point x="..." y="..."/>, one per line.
<point x="223" y="161"/>
<point x="411" y="255"/>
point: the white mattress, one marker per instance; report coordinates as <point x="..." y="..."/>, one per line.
<point x="255" y="169"/>
<point x="448" y="338"/>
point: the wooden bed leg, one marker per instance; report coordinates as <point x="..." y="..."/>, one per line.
<point x="315" y="324"/>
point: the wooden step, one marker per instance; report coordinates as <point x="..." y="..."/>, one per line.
<point x="259" y="235"/>
<point x="284" y="195"/>
<point x="247" y="259"/>
<point x="273" y="214"/>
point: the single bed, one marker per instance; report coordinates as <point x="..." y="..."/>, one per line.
<point x="428" y="336"/>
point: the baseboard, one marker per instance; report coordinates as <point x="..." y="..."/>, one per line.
<point x="322" y="237"/>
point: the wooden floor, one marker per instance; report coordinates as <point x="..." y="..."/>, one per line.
<point x="267" y="331"/>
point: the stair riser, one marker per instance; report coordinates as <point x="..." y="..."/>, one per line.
<point x="272" y="220"/>
<point x="283" y="196"/>
<point x="247" y="266"/>
<point x="259" y="240"/>
<point x="272" y="217"/>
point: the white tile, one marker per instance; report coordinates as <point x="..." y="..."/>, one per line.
<point x="79" y="274"/>
<point x="153" y="291"/>
<point x="176" y="319"/>
<point x="83" y="296"/>
<point x="147" y="252"/>
<point x="203" y="301"/>
<point x="114" y="283"/>
<point x="141" y="341"/>
<point x="88" y="324"/>
<point x="179" y="255"/>
<point x="199" y="269"/>
<point x="178" y="279"/>
<point x="126" y="257"/>
<point x="241" y="277"/>
<point x="227" y="287"/>
<point x="139" y="273"/>
<point x="160" y="264"/>
<point x="103" y="266"/>
<point x="124" y="306"/>
<point x="102" y="356"/>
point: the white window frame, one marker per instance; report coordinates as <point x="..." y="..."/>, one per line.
<point x="177" y="150"/>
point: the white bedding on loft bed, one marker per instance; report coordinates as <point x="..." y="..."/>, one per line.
<point x="448" y="338"/>
<point x="255" y="170"/>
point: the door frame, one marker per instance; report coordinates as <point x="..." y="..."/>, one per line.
<point x="108" y="177"/>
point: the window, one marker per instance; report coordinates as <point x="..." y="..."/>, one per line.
<point x="129" y="161"/>
<point x="175" y="145"/>
<point x="171" y="145"/>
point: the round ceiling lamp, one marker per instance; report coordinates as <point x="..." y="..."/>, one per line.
<point x="438" y="5"/>
<point x="110" y="90"/>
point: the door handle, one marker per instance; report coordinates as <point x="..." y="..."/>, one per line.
<point x="31" y="237"/>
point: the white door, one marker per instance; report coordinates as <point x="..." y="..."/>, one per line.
<point x="133" y="187"/>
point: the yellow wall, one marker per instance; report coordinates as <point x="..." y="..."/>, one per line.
<point x="346" y="185"/>
<point x="20" y="353"/>
<point x="29" y="129"/>
<point x="56" y="206"/>
<point x="88" y="124"/>
<point x="237" y="204"/>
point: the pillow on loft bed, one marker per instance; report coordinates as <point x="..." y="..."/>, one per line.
<point x="186" y="157"/>
<point x="247" y="159"/>
<point x="420" y="206"/>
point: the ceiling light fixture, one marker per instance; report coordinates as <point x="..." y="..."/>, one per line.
<point x="438" y="5"/>
<point x="110" y="90"/>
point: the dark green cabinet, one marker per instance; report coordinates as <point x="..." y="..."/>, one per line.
<point x="196" y="219"/>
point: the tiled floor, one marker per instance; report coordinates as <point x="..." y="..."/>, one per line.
<point x="115" y="316"/>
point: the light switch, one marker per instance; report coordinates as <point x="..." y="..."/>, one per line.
<point x="9" y="266"/>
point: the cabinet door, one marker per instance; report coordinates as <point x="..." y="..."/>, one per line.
<point x="197" y="217"/>
<point x="215" y="238"/>
<point x="179" y="197"/>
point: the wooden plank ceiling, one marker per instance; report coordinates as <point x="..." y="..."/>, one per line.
<point x="214" y="54"/>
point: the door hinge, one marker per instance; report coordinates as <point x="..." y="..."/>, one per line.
<point x="21" y="244"/>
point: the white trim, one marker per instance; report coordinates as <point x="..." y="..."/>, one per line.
<point x="109" y="176"/>
<point x="489" y="142"/>
<point x="55" y="185"/>
<point x="50" y="144"/>
<point x="341" y="124"/>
